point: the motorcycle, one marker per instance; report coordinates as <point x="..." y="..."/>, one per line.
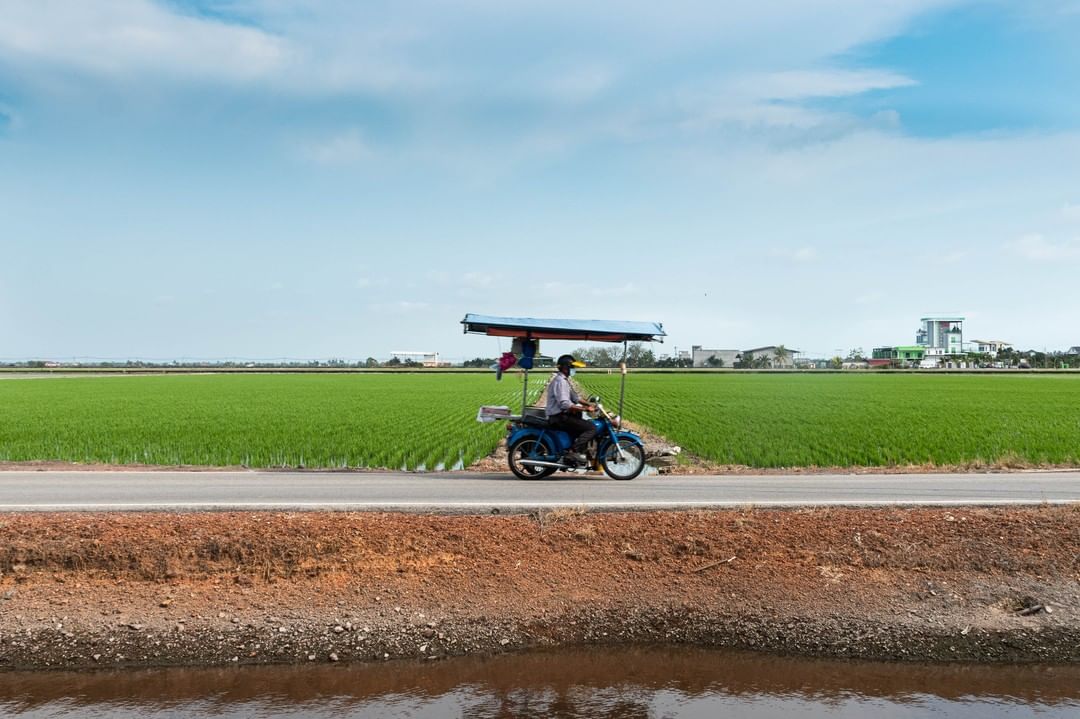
<point x="536" y="451"/>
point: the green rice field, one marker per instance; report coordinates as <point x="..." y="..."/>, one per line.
<point x="857" y="419"/>
<point x="427" y="421"/>
<point x="409" y="421"/>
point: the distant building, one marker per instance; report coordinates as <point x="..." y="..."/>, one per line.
<point x="426" y="359"/>
<point x="770" y="352"/>
<point x="941" y="335"/>
<point x="729" y="358"/>
<point x="899" y="356"/>
<point x="1074" y="350"/>
<point x="701" y="357"/>
<point x="990" y="347"/>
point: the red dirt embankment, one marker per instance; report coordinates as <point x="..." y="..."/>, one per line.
<point x="135" y="589"/>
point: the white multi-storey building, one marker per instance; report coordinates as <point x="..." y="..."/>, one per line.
<point x="941" y="335"/>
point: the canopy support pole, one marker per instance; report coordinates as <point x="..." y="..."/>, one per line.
<point x="525" y="384"/>
<point x="622" y="383"/>
<point x="524" y="393"/>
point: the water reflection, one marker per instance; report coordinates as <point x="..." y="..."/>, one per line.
<point x="618" y="684"/>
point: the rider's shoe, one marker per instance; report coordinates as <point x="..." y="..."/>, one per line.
<point x="576" y="458"/>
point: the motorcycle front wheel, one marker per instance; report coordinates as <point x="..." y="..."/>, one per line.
<point x="626" y="465"/>
<point x="530" y="448"/>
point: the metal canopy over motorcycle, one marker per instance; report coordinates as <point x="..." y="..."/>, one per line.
<point x="548" y="329"/>
<point x="535" y="449"/>
<point x="555" y="329"/>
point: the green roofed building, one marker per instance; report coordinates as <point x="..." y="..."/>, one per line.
<point x="900" y="355"/>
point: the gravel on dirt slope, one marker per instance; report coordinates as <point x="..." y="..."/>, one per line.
<point x="83" y="590"/>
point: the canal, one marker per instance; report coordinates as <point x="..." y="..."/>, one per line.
<point x="612" y="683"/>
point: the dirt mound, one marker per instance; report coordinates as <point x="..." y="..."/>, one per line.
<point x="86" y="589"/>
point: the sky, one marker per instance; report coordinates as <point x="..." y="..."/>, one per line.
<point x="338" y="179"/>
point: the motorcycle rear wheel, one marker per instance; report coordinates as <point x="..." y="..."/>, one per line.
<point x="522" y="449"/>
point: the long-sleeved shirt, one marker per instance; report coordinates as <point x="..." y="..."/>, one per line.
<point x="560" y="395"/>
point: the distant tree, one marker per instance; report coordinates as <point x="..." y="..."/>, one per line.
<point x="856" y="355"/>
<point x="714" y="362"/>
<point x="745" y="360"/>
<point x="597" y="356"/>
<point x="393" y="362"/>
<point x="479" y="362"/>
<point x="639" y="355"/>
<point x="371" y="362"/>
<point x="836" y="362"/>
<point x="674" y="362"/>
<point x="782" y="355"/>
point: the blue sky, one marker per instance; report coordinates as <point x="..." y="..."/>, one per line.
<point x="328" y="178"/>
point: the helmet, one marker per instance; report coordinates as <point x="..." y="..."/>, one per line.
<point x="568" y="361"/>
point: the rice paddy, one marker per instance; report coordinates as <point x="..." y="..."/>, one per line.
<point x="858" y="419"/>
<point x="427" y="421"/>
<point x="409" y="421"/>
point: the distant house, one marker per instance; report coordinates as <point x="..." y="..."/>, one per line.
<point x="770" y="353"/>
<point x="729" y="358"/>
<point x="1074" y="350"/>
<point x="703" y="357"/>
<point x="991" y="347"/>
<point x="900" y="356"/>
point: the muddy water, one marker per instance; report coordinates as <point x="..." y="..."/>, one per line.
<point x="665" y="682"/>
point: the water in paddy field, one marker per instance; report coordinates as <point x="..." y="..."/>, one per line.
<point x="609" y="683"/>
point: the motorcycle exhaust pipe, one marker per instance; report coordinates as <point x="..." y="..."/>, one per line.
<point x="541" y="463"/>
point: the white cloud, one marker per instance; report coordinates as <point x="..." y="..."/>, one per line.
<point x="1071" y="211"/>
<point x="367" y="282"/>
<point x="802" y="84"/>
<point x="870" y="298"/>
<point x="1037" y="248"/>
<point x="764" y="105"/>
<point x="479" y="280"/>
<point x="407" y="306"/>
<point x="130" y="38"/>
<point x="798" y="254"/>
<point x="623" y="290"/>
<point x="951" y="258"/>
<point x="345" y="148"/>
<point x="400" y="307"/>
<point x="429" y="45"/>
<point x="577" y="84"/>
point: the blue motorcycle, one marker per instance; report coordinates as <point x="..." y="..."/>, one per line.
<point x="536" y="451"/>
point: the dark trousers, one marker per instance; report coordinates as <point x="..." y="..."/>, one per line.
<point x="582" y="430"/>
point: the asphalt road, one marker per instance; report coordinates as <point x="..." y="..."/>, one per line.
<point x="473" y="492"/>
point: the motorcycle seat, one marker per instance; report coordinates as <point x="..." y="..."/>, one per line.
<point x="531" y="420"/>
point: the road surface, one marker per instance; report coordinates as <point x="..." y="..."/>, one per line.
<point x="475" y="492"/>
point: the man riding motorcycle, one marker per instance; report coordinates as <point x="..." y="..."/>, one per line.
<point x="564" y="408"/>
